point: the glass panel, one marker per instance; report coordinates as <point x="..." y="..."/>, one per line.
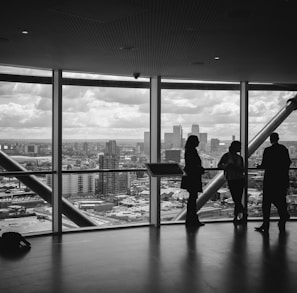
<point x="263" y="106"/>
<point x="106" y="128"/>
<point x="174" y="200"/>
<point x="23" y="210"/>
<point x="25" y="124"/>
<point x="125" y="206"/>
<point x="25" y="71"/>
<point x="214" y="117"/>
<point x="25" y="144"/>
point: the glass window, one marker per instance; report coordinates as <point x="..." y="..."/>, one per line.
<point x="23" y="209"/>
<point x="25" y="145"/>
<point x="214" y="117"/>
<point x="105" y="128"/>
<point x="263" y="106"/>
<point x="26" y="125"/>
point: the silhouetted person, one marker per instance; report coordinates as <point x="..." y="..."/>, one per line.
<point x="192" y="181"/>
<point x="276" y="163"/>
<point x="233" y="166"/>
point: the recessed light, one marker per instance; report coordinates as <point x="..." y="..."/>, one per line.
<point x="217" y="58"/>
<point x="24" y="32"/>
<point x="127" y="48"/>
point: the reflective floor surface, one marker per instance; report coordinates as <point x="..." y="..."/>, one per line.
<point x="218" y="257"/>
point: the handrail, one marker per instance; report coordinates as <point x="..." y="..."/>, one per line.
<point x="26" y="173"/>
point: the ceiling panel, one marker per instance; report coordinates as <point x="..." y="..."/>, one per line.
<point x="171" y="38"/>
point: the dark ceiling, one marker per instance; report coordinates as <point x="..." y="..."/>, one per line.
<point x="255" y="40"/>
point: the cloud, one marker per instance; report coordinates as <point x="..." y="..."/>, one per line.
<point x="111" y="95"/>
<point x="104" y="115"/>
<point x="23" y="116"/>
<point x="91" y="112"/>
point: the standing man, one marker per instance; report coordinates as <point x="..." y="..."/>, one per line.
<point x="276" y="163"/>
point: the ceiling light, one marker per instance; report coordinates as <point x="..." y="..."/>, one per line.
<point x="217" y="58"/>
<point x="24" y="32"/>
<point x="127" y="48"/>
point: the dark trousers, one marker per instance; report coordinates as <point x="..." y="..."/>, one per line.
<point x="191" y="217"/>
<point x="236" y="189"/>
<point x="278" y="198"/>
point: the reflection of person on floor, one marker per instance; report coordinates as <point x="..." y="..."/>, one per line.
<point x="233" y="166"/>
<point x="276" y="163"/>
<point x="192" y="181"/>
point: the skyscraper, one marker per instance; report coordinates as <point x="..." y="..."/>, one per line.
<point x="168" y="140"/>
<point x="147" y="142"/>
<point x="108" y="182"/>
<point x="111" y="147"/>
<point x="214" y="144"/>
<point x="195" y="129"/>
<point x="203" y="141"/>
<point x="177" y="136"/>
<point x="86" y="148"/>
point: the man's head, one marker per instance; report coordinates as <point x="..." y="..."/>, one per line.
<point x="274" y="138"/>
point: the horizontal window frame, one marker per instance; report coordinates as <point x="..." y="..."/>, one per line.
<point x="24" y="173"/>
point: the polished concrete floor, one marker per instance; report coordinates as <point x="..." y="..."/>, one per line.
<point x="216" y="258"/>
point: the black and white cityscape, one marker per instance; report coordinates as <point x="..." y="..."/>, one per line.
<point x="122" y="197"/>
<point x="107" y="128"/>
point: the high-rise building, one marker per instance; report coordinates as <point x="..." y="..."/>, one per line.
<point x="139" y="148"/>
<point x="85" y="148"/>
<point x="168" y="140"/>
<point x="195" y="129"/>
<point x="214" y="144"/>
<point x="177" y="136"/>
<point x="203" y="141"/>
<point x="108" y="181"/>
<point x="76" y="185"/>
<point x="146" y="142"/>
<point x="111" y="147"/>
<point x="31" y="149"/>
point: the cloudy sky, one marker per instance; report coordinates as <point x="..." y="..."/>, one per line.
<point x="110" y="113"/>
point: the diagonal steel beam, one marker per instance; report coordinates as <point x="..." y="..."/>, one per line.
<point x="45" y="191"/>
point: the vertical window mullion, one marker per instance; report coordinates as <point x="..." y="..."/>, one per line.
<point x="57" y="152"/>
<point x="244" y="133"/>
<point x="155" y="147"/>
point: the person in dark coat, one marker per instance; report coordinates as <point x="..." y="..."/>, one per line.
<point x="192" y="180"/>
<point x="276" y="163"/>
<point x="233" y="166"/>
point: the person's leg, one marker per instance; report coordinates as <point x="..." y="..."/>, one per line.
<point x="191" y="217"/>
<point x="236" y="190"/>
<point x="266" y="206"/>
<point x="281" y="204"/>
